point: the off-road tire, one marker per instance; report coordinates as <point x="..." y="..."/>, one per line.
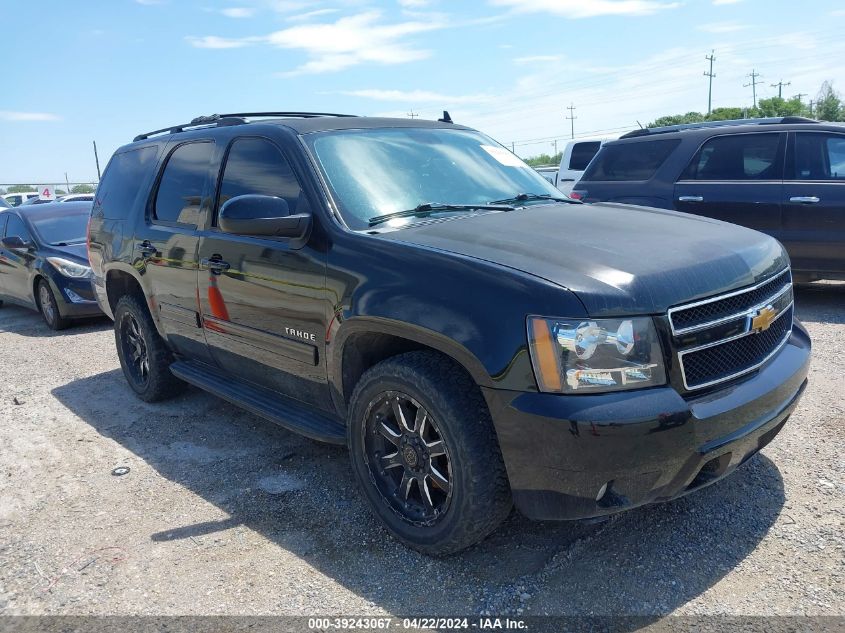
<point x="480" y="493"/>
<point x="157" y="382"/>
<point x="49" y="307"/>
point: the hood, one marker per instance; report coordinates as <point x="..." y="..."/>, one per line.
<point x="73" y="252"/>
<point x="618" y="259"/>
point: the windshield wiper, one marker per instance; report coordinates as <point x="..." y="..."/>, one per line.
<point x="522" y="197"/>
<point x="431" y="207"/>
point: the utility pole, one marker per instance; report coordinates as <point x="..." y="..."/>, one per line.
<point x="779" y="85"/>
<point x="96" y="158"/>
<point x="412" y="115"/>
<point x="67" y="184"/>
<point x="754" y="77"/>
<point x="572" y="117"/>
<point x="711" y="58"/>
<point x="812" y="105"/>
<point x="555" y="146"/>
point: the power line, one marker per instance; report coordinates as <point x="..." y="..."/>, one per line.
<point x="572" y="117"/>
<point x="779" y="85"/>
<point x="754" y="77"/>
<point x="711" y="58"/>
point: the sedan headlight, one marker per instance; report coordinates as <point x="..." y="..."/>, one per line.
<point x="595" y="355"/>
<point x="70" y="269"/>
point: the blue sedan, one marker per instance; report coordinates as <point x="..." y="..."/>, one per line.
<point x="44" y="261"/>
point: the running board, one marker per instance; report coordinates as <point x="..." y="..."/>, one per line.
<point x="286" y="412"/>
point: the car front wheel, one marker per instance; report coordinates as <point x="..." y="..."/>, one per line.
<point x="49" y="307"/>
<point x="425" y="453"/>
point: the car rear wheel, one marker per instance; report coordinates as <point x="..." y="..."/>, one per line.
<point x="49" y="308"/>
<point x="425" y="453"/>
<point x="144" y="356"/>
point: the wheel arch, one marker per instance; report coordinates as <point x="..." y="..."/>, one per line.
<point x="362" y="343"/>
<point x="119" y="282"/>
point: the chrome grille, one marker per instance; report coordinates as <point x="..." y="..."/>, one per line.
<point x="703" y="314"/>
<point x="725" y="337"/>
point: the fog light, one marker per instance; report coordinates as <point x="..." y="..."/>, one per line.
<point x="73" y="297"/>
<point x="602" y="492"/>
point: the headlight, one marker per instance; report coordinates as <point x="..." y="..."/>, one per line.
<point x="70" y="269"/>
<point x="594" y="355"/>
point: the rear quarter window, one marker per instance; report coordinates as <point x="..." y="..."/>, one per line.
<point x="125" y="174"/>
<point x="582" y="154"/>
<point x="630" y="161"/>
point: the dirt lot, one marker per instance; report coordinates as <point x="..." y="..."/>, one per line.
<point x="223" y="513"/>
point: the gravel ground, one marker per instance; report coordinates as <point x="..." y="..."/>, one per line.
<point x="223" y="513"/>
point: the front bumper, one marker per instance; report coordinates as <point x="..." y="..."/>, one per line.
<point x="75" y="297"/>
<point x="644" y="446"/>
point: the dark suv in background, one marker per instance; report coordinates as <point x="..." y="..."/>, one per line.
<point x="782" y="176"/>
<point x="415" y="291"/>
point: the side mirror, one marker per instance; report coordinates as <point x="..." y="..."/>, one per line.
<point x="262" y="215"/>
<point x="15" y="243"/>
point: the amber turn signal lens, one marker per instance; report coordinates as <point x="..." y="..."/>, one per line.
<point x="545" y="350"/>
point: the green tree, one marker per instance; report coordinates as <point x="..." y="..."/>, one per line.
<point x="725" y="114"/>
<point x="20" y="188"/>
<point x="544" y="159"/>
<point x="829" y="104"/>
<point x="678" y="119"/>
<point x="777" y="106"/>
<point x="82" y="189"/>
<point x="60" y="192"/>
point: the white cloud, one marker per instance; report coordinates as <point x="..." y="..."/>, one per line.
<point x="586" y="9"/>
<point x="719" y="2"/>
<point x="838" y="13"/>
<point x="238" y="12"/>
<point x="212" y="41"/>
<point x="353" y="40"/>
<point x="149" y="2"/>
<point x="6" y="115"/>
<point x="334" y="46"/>
<point x="722" y="27"/>
<point x="415" y="96"/>
<point x="304" y="17"/>
<point x="414" y="4"/>
<point x="537" y="59"/>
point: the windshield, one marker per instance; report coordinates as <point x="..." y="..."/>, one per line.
<point x="64" y="228"/>
<point x="387" y="170"/>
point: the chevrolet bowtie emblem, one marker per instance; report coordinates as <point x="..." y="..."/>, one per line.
<point x="764" y="318"/>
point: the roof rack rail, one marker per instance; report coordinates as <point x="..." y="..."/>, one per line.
<point x="238" y="118"/>
<point x="710" y="124"/>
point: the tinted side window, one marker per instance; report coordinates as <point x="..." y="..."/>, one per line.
<point x="630" y="161"/>
<point x="3" y="217"/>
<point x="257" y="166"/>
<point x="16" y="227"/>
<point x="819" y="157"/>
<point x="582" y="154"/>
<point x="125" y="174"/>
<point x="737" y="157"/>
<point x="180" y="190"/>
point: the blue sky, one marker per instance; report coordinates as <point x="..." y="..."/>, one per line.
<point x="106" y="70"/>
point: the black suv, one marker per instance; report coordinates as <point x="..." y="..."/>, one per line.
<point x="783" y="176"/>
<point x="411" y="289"/>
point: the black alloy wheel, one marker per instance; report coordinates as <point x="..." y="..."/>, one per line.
<point x="407" y="458"/>
<point x="144" y="355"/>
<point x="424" y="452"/>
<point x="135" y="350"/>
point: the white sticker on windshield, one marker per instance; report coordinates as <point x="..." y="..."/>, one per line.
<point x="503" y="156"/>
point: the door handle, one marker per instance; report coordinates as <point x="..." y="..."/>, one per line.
<point x="805" y="199"/>
<point x="691" y="199"/>
<point x="215" y="264"/>
<point x="146" y="249"/>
